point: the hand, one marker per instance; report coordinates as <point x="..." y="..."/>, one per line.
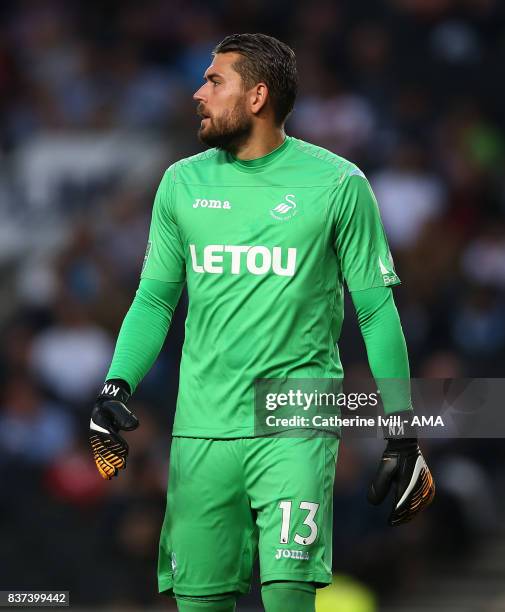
<point x="403" y="466"/>
<point x="109" y="416"/>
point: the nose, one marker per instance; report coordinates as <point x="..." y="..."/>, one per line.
<point x="198" y="95"/>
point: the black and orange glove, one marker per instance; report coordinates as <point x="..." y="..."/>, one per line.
<point x="109" y="416"/>
<point x="403" y="467"/>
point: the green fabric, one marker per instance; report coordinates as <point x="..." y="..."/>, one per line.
<point x="230" y="493"/>
<point x="385" y="346"/>
<point x="265" y="247"/>
<point x="144" y="329"/>
<point x="289" y="597"/>
<point x="211" y="603"/>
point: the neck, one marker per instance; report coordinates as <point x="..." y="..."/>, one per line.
<point x="260" y="143"/>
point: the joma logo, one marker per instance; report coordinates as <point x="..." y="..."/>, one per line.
<point x="283" y="553"/>
<point x="203" y="203"/>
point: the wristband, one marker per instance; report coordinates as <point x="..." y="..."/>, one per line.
<point x="115" y="389"/>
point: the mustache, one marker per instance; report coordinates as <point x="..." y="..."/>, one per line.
<point x="200" y="111"/>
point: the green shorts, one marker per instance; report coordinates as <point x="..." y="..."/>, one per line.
<point x="229" y="500"/>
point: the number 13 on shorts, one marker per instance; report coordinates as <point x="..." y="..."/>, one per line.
<point x="310" y="521"/>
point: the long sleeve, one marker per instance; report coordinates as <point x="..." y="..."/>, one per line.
<point x="382" y="332"/>
<point x="144" y="330"/>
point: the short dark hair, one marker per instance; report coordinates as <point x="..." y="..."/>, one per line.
<point x="267" y="60"/>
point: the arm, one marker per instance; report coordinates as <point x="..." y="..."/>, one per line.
<point x="143" y="331"/>
<point x="402" y="466"/>
<point x="385" y="346"/>
<point x="367" y="266"/>
<point x="142" y="334"/>
<point x="162" y="278"/>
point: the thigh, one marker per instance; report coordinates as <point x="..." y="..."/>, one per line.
<point x="207" y="542"/>
<point x="290" y="484"/>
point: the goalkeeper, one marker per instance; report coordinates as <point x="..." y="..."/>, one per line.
<point x="264" y="229"/>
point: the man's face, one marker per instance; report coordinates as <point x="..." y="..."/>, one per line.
<point x="222" y="104"/>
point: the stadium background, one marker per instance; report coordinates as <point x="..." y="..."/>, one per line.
<point x="95" y="101"/>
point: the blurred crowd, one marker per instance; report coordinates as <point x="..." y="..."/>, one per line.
<point x="95" y="102"/>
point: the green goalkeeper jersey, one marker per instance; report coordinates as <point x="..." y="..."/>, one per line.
<point x="264" y="246"/>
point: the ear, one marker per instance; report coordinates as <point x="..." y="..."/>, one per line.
<point x="258" y="97"/>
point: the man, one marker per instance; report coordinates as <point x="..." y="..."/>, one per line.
<point x="263" y="228"/>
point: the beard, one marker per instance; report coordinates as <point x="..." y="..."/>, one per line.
<point x="229" y="131"/>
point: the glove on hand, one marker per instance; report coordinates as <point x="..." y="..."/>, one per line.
<point x="109" y="416"/>
<point x="404" y="468"/>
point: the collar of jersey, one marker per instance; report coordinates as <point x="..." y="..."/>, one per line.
<point x="259" y="163"/>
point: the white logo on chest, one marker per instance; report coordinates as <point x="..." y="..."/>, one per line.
<point x="285" y="210"/>
<point x="258" y="260"/>
<point x="203" y="203"/>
